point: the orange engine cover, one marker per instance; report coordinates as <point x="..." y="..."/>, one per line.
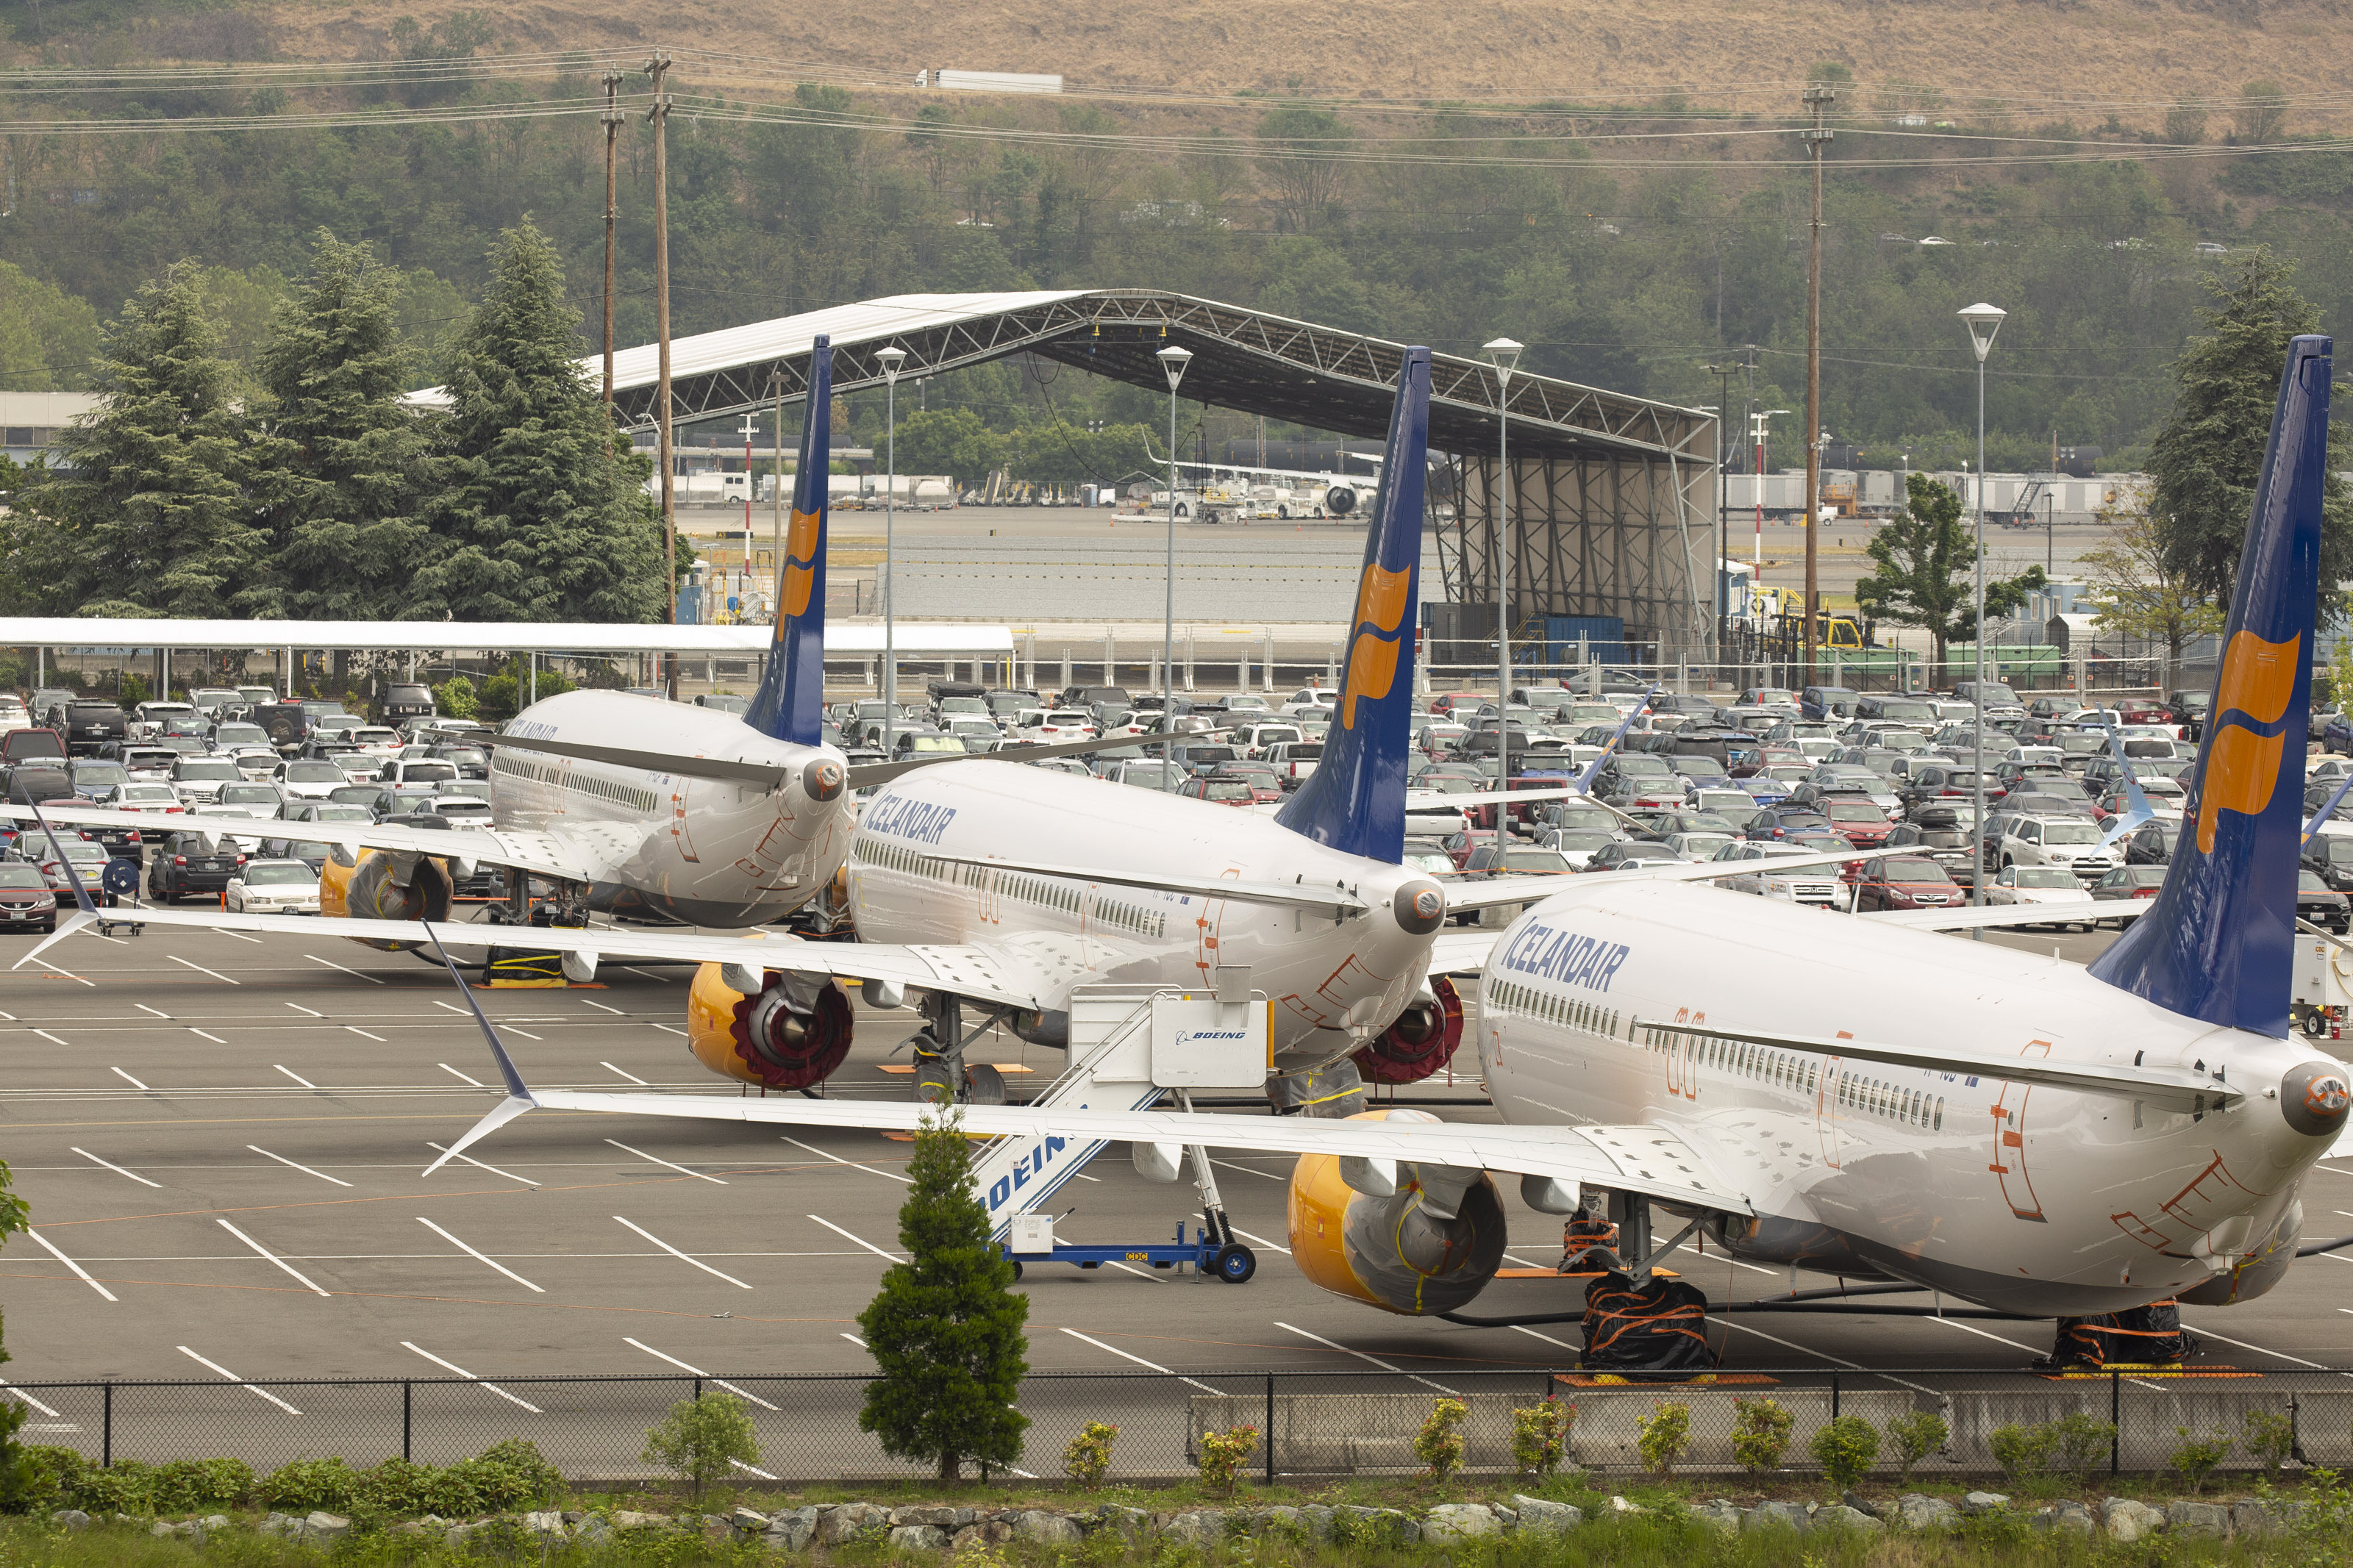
<point x="1392" y="1252"/>
<point x="362" y="888"/>
<point x="1420" y="1042"/>
<point x="779" y="1038"/>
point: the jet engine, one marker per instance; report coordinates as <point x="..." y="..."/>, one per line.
<point x="791" y="1033"/>
<point x="1421" y="1041"/>
<point x="381" y="885"/>
<point x="1411" y="1239"/>
<point x="1339" y="501"/>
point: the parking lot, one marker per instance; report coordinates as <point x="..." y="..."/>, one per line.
<point x="222" y="1140"/>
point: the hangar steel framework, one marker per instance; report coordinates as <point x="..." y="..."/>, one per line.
<point x="1611" y="512"/>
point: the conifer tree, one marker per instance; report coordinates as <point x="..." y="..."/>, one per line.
<point x="946" y="1327"/>
<point x="543" y="515"/>
<point x="147" y="513"/>
<point x="343" y="464"/>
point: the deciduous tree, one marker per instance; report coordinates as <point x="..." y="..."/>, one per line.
<point x="1926" y="574"/>
<point x="2137" y="592"/>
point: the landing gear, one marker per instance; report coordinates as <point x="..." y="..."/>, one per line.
<point x="942" y="1075"/>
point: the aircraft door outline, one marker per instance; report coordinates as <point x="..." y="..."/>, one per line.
<point x="2008" y="1163"/>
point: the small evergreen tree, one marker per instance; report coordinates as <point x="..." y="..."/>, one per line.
<point x="14" y="1215"/>
<point x="147" y="514"/>
<point x="2203" y="465"/>
<point x="345" y="463"/>
<point x="1926" y="574"/>
<point x="544" y="515"/>
<point x="946" y="1327"/>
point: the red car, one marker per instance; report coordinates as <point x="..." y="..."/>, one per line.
<point x="1459" y="704"/>
<point x="1901" y="882"/>
<point x="1222" y="792"/>
<point x="1855" y="818"/>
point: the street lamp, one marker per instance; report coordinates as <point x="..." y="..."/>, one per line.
<point x="1724" y="374"/>
<point x="890" y="358"/>
<point x="1504" y="354"/>
<point x="1173" y="361"/>
<point x="1984" y="321"/>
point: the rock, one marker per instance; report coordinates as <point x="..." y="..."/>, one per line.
<point x="1280" y="1519"/>
<point x="276" y="1524"/>
<point x="1620" y="1507"/>
<point x="1451" y="1522"/>
<point x="1199" y="1527"/>
<point x="793" y="1531"/>
<point x="71" y="1517"/>
<point x="1915" y="1510"/>
<point x="1375" y="1526"/>
<point x="456" y="1534"/>
<point x="1861" y="1504"/>
<point x="1721" y="1513"/>
<point x="1769" y="1515"/>
<point x="1984" y="1503"/>
<point x="160" y="1528"/>
<point x="323" y="1526"/>
<point x="593" y="1528"/>
<point x="1046" y="1529"/>
<point x="550" y="1523"/>
<point x="2069" y="1516"/>
<point x="747" y="1520"/>
<point x="2255" y="1516"/>
<point x="943" y="1517"/>
<point x="629" y="1518"/>
<point x="1317" y="1518"/>
<point x="1840" y="1516"/>
<point x="2198" y="1519"/>
<point x="1539" y="1517"/>
<point x="983" y="1532"/>
<point x="919" y="1537"/>
<point x="850" y="1521"/>
<point x="1131" y="1523"/>
<point x="1509" y="1516"/>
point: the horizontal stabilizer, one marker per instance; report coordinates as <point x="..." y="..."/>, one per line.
<point x="759" y="775"/>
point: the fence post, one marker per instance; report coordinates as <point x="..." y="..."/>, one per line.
<point x="106" y="1427"/>
<point x="1835" y="1396"/>
<point x="407" y="1401"/>
<point x="2115" y="1421"/>
<point x="1270" y="1428"/>
<point x="698" y="1389"/>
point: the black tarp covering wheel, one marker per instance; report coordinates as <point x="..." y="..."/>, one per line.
<point x="1644" y="1324"/>
<point x="2140" y="1336"/>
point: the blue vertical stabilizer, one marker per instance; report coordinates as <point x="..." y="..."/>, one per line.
<point x="1355" y="801"/>
<point x="790" y="703"/>
<point x="2219" y="940"/>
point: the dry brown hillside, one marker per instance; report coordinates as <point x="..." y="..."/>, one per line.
<point x="2072" y="57"/>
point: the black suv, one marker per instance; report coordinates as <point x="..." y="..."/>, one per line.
<point x="399" y="700"/>
<point x="182" y="867"/>
<point x="91" y="723"/>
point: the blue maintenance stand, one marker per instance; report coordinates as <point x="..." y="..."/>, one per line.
<point x="1223" y="1258"/>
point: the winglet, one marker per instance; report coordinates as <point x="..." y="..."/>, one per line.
<point x="2319" y="819"/>
<point x="2137" y="809"/>
<point x="73" y="878"/>
<point x="2219" y="941"/>
<point x="790" y="703"/>
<point x="1355" y="801"/>
<point x="519" y="1097"/>
<point x="1583" y="782"/>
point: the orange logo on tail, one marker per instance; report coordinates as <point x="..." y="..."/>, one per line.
<point x="800" y="561"/>
<point x="1373" y="659"/>
<point x="2242" y="767"/>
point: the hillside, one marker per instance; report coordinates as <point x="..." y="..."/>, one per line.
<point x="2046" y="60"/>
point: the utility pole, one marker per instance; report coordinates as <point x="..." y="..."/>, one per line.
<point x="1724" y="375"/>
<point x="1817" y="98"/>
<point x="612" y="153"/>
<point x="659" y="68"/>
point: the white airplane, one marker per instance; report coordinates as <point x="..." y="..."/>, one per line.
<point x="1842" y="1094"/>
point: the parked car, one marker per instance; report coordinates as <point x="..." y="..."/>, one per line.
<point x="2045" y="841"/>
<point x="274" y="887"/>
<point x="2321" y="904"/>
<point x="25" y="896"/>
<point x="182" y="865"/>
<point x="2152" y="843"/>
<point x="1816" y="885"/>
<point x="2128" y="883"/>
<point x="300" y="779"/>
<point x="1901" y="882"/>
<point x="1224" y="791"/>
<point x="2017" y="885"/>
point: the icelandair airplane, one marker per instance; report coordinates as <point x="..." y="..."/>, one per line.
<point x="1839" y="1095"/>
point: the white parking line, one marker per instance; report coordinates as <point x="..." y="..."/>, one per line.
<point x="853" y="1339"/>
<point x="657" y="1160"/>
<point x="1983" y="1335"/>
<point x="297" y="1076"/>
<point x="291" y="1165"/>
<point x="698" y="1372"/>
<point x="526" y="1034"/>
<point x="862" y="1241"/>
<point x="649" y="975"/>
<point x="1360" y="1355"/>
<point x="853" y="1164"/>
<point x="478" y="1257"/>
<point x="79" y="1272"/>
<point x="303" y="1280"/>
<point x="116" y="1169"/>
<point x="238" y="1381"/>
<point x="748" y="1470"/>
<point x="602" y="1008"/>
<point x="20" y="1393"/>
<point x="608" y="1066"/>
<point x="2259" y="1349"/>
<point x="494" y="1169"/>
<point x="371" y="979"/>
<point x="461" y="1077"/>
<point x="145" y="1008"/>
<point x="300" y="1009"/>
<point x="355" y="1029"/>
<point x="1522" y="1329"/>
<point x="1262" y="1241"/>
<point x="666" y="1030"/>
<point x="1792" y="1344"/>
<point x="453" y="1007"/>
<point x="1137" y="1360"/>
<point x="54" y="1041"/>
<point x="125" y="1076"/>
<point x="681" y="1257"/>
<point x="1245" y="1170"/>
<point x="200" y="969"/>
<point x="469" y="1377"/>
<point x="213" y="1037"/>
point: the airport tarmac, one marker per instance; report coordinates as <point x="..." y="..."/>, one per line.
<point x="222" y="1137"/>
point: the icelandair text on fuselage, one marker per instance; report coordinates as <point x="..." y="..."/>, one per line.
<point x="1573" y="960"/>
<point x="917" y="821"/>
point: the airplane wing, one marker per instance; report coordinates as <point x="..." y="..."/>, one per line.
<point x="1528" y="890"/>
<point x="2177" y="1088"/>
<point x="1961" y="917"/>
<point x="1462" y="952"/>
<point x="1335" y="900"/>
<point x="862" y="775"/>
<point x="541" y="853"/>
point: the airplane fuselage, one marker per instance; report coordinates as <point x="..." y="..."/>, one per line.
<point x="2040" y="1200"/>
<point x="711" y="853"/>
<point x="1324" y="975"/>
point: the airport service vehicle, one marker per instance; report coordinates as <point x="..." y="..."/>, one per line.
<point x="1845" y="1096"/>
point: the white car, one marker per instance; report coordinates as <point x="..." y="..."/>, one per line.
<point x="2072" y="845"/>
<point x="274" y="887"/>
<point x="147" y="718"/>
<point x="149" y="764"/>
<point x="377" y="740"/>
<point x="310" y="779"/>
<point x="261" y="801"/>
<point x="2019" y="885"/>
<point x="157" y="799"/>
<point x="199" y="780"/>
<point x="1255" y="740"/>
<point x="12" y="716"/>
<point x="1698" y="846"/>
<point x="1059" y="724"/>
<point x="1313" y="699"/>
<point x="974" y="729"/>
<point x="463" y="810"/>
<point x="1816" y="885"/>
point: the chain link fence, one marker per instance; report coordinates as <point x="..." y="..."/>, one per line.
<point x="1312" y="1425"/>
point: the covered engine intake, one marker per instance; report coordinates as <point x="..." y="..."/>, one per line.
<point x="1406" y="1238"/>
<point x="1420" y="1042"/>
<point x="792" y="1034"/>
<point x="380" y="885"/>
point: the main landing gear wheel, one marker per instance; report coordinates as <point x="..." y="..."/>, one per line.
<point x="983" y="1085"/>
<point x="1234" y="1263"/>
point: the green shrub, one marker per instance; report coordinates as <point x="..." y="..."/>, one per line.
<point x="131" y="692"/>
<point x="2196" y="1459"/>
<point x="454" y="698"/>
<point x="126" y="1486"/>
<point x="1088" y="1458"/>
<point x="1846" y="1448"/>
<point x="1439" y="1443"/>
<point x="302" y="1486"/>
<point x="2079" y="1443"/>
<point x="46" y="1478"/>
<point x="1540" y="1437"/>
<point x="200" y="1486"/>
<point x="13" y="1465"/>
<point x="394" y="1490"/>
<point x="1223" y="1454"/>
<point x="1760" y="1434"/>
<point x="1916" y="1436"/>
<point x="1666" y="1437"/>
<point x="700" y="1440"/>
<point x="2269" y="1438"/>
<point x="2019" y="1450"/>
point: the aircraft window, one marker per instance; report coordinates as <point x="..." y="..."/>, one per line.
<point x="1939" y="1123"/>
<point x="1814" y="1077"/>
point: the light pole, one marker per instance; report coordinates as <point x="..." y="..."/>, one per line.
<point x="1724" y="375"/>
<point x="1984" y="321"/>
<point x="1505" y="356"/>
<point x="1173" y="361"/>
<point x="890" y="358"/>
